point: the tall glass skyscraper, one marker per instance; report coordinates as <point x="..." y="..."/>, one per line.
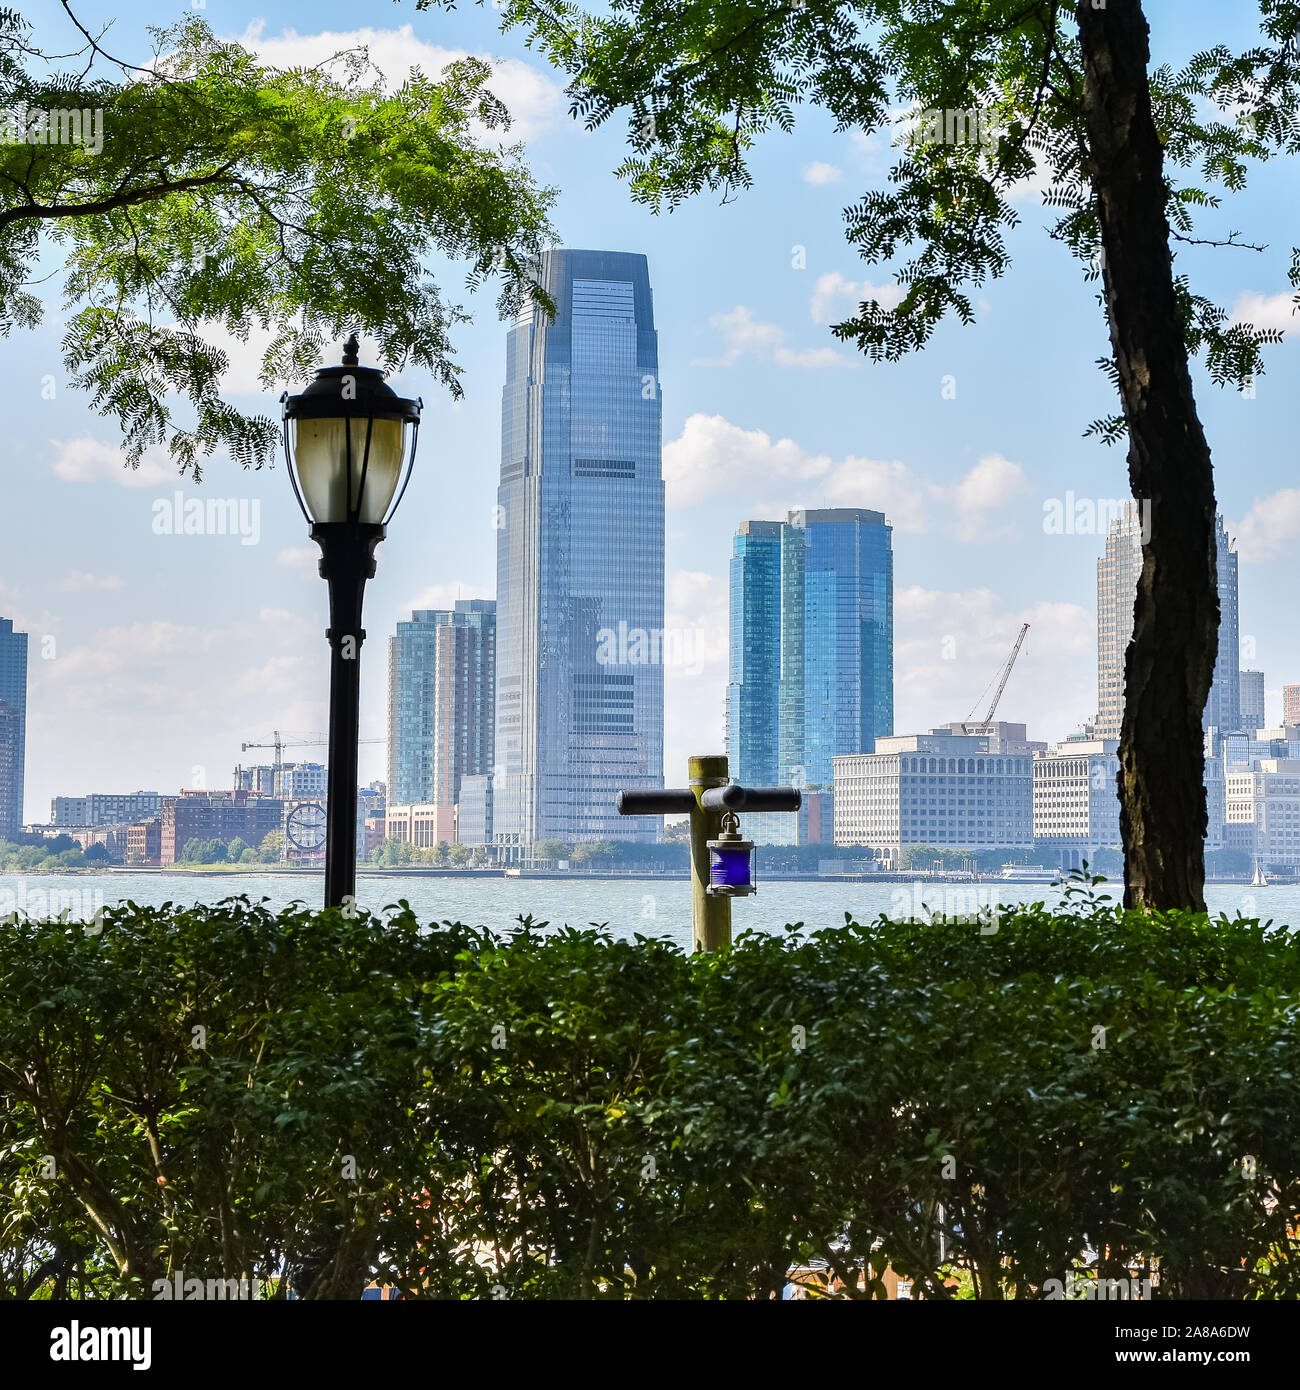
<point x="580" y="558"/>
<point x="13" y="727"/>
<point x="812" y="645"/>
<point x="441" y="677"/>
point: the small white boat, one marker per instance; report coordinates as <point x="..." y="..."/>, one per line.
<point x="1261" y="878"/>
<point x="1028" y="873"/>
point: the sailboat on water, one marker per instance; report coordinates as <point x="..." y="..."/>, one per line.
<point x="1261" y="878"/>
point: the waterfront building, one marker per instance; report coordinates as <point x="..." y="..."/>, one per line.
<point x="580" y="559"/>
<point x="943" y="789"/>
<point x="423" y="824"/>
<point x="1262" y="812"/>
<point x="144" y="842"/>
<point x="105" y="808"/>
<point x="224" y="816"/>
<point x="1076" y="799"/>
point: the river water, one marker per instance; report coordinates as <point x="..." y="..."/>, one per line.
<point x="653" y="907"/>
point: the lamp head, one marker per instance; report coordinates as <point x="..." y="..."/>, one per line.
<point x="349" y="442"/>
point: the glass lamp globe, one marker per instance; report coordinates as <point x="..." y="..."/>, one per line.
<point x="349" y="442"/>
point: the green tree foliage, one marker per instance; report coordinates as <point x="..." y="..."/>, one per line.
<point x="230" y="198"/>
<point x="41" y="856"/>
<point x="567" y="1115"/>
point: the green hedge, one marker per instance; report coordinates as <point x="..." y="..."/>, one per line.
<point x="561" y="1114"/>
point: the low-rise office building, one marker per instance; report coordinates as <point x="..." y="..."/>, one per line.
<point x="1262" y="812"/>
<point x="941" y="789"/>
<point x="1076" y="799"/>
<point x="104" y="808"/>
<point x="422" y="824"/>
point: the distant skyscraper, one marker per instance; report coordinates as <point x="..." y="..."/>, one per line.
<point x="13" y="727"/>
<point x="441" y="674"/>
<point x="753" y="689"/>
<point x="812" y="647"/>
<point x="1291" y="704"/>
<point x="1118" y="572"/>
<point x="1252" y="700"/>
<point x="580" y="558"/>
<point x="837" y="640"/>
<point x="1223" y="708"/>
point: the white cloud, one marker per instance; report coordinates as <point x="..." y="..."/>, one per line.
<point x="695" y="678"/>
<point x="993" y="482"/>
<point x="747" y="336"/>
<point x="1270" y="528"/>
<point x="535" y="102"/>
<point x="88" y="460"/>
<point x="818" y="173"/>
<point x="301" y="559"/>
<point x="1267" y="310"/>
<point x="79" y="580"/>
<point x="712" y="456"/>
<point x="835" y="298"/>
<point x="883" y="485"/>
<point x="442" y="596"/>
<point x="122" y="701"/>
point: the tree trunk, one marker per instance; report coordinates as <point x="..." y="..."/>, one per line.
<point x="1170" y="659"/>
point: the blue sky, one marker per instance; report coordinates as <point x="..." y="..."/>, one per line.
<point x="153" y="656"/>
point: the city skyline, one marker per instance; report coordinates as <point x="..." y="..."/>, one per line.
<point x="165" y="651"/>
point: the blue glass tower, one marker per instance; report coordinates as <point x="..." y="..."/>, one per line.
<point x="580" y="558"/>
<point x="754" y="676"/>
<point x="837" y="639"/>
<point x="812" y="646"/>
<point x="13" y="727"/>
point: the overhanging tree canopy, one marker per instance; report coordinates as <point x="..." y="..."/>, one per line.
<point x="230" y="198"/>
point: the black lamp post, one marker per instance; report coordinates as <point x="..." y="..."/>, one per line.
<point x="349" y="442"/>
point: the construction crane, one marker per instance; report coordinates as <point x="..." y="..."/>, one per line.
<point x="280" y="743"/>
<point x="983" y="725"/>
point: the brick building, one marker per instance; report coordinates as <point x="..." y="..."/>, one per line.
<point x="216" y="816"/>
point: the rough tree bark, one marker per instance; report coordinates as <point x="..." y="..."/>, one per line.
<point x="1170" y="660"/>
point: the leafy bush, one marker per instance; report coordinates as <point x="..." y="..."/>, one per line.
<point x="316" y="1100"/>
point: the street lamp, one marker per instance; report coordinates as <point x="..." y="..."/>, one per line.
<point x="349" y="442"/>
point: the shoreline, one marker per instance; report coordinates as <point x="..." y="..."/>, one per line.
<point x="1048" y="878"/>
